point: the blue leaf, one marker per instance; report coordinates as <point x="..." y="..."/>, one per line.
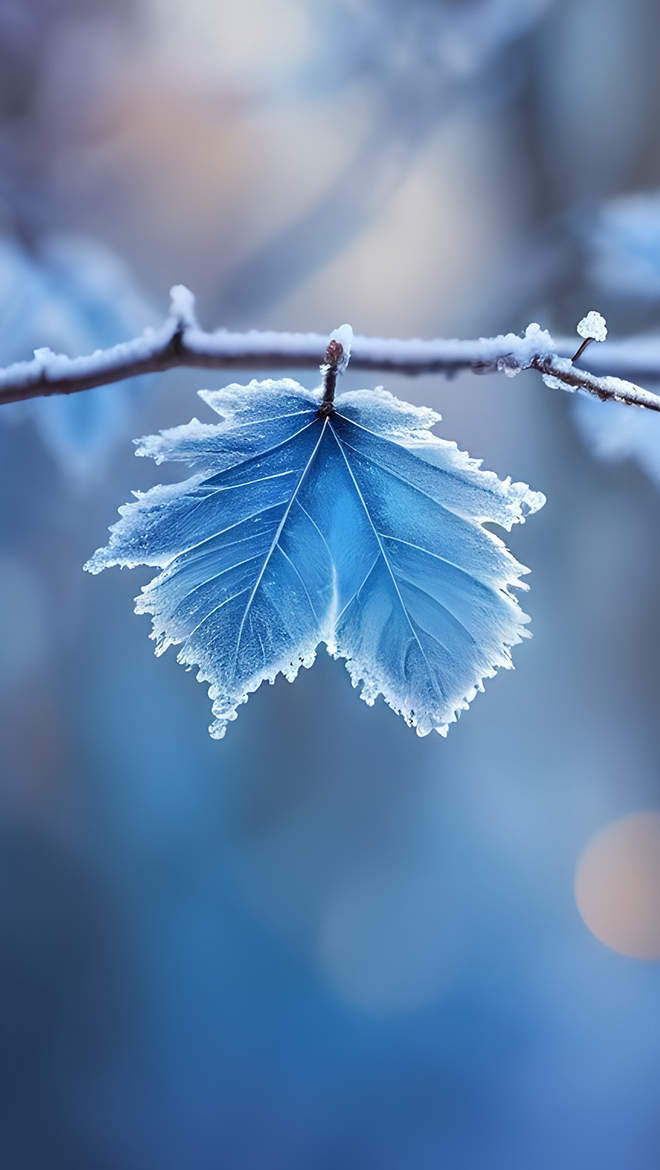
<point x="362" y="531"/>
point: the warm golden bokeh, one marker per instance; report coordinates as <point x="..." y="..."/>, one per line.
<point x="617" y="886"/>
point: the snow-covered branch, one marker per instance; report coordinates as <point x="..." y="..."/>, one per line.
<point x="561" y="374"/>
<point x="181" y="342"/>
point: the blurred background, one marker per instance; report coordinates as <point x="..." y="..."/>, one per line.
<point x="324" y="942"/>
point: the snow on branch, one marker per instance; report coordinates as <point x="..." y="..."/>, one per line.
<point x="181" y="342"/>
<point x="560" y="374"/>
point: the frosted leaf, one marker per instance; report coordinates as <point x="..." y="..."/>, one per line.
<point x="361" y="530"/>
<point x="593" y="326"/>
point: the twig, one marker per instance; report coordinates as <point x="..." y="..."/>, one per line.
<point x="561" y="374"/>
<point x="180" y="342"/>
<point x="337" y="357"/>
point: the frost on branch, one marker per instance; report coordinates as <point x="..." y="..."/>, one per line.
<point x="561" y="374"/>
<point x="357" y="528"/>
<point x="180" y="341"/>
<point x="182" y="306"/>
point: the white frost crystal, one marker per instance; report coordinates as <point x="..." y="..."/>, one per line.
<point x="182" y="305"/>
<point x="593" y="326"/>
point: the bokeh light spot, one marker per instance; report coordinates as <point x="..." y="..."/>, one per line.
<point x="617" y="886"/>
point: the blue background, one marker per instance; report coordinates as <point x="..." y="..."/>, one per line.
<point x="321" y="942"/>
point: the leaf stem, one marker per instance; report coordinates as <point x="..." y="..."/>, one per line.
<point x="330" y="370"/>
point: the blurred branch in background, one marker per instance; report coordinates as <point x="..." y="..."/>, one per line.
<point x="420" y="63"/>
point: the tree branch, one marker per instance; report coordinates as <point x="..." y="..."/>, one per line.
<point x="180" y="342"/>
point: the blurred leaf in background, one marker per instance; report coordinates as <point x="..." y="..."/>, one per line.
<point x="73" y="296"/>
